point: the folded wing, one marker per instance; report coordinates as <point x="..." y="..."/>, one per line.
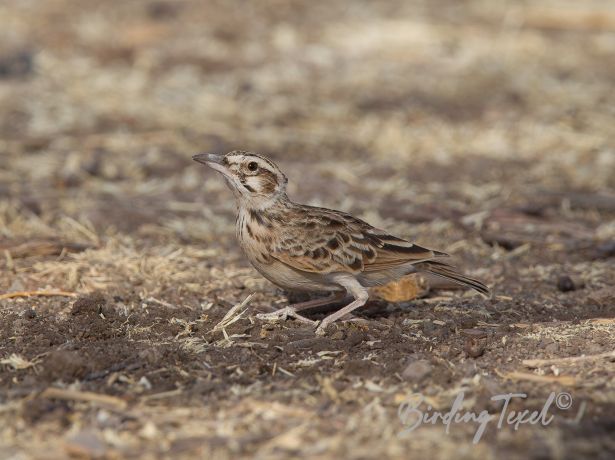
<point x="328" y="241"/>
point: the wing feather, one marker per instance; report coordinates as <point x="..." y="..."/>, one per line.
<point x="338" y="242"/>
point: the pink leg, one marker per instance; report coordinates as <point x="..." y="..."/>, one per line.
<point x="359" y="293"/>
<point x="293" y="310"/>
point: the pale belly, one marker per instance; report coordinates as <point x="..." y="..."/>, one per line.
<point x="293" y="280"/>
<point x="275" y="271"/>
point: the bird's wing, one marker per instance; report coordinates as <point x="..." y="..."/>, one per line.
<point x="325" y="241"/>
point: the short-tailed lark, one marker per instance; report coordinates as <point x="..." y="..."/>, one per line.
<point x="306" y="248"/>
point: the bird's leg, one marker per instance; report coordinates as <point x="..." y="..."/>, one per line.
<point x="293" y="310"/>
<point x="359" y="293"/>
<point x="359" y="302"/>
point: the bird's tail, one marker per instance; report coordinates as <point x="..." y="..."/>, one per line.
<point x="449" y="272"/>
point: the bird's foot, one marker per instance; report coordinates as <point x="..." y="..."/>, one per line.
<point x="322" y="326"/>
<point x="283" y="314"/>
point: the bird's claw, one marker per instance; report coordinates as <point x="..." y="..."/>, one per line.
<point x="283" y="314"/>
<point x="322" y="325"/>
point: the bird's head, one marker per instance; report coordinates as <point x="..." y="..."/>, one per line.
<point x="255" y="180"/>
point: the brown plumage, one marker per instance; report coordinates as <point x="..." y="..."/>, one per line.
<point x="300" y="247"/>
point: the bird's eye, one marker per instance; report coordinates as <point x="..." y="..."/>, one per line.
<point x="252" y="166"/>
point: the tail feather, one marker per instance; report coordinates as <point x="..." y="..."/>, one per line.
<point x="449" y="272"/>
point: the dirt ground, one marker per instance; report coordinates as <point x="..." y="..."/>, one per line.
<point x="481" y="128"/>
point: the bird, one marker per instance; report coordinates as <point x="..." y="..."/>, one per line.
<point x="313" y="249"/>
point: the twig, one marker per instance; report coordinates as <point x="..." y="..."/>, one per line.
<point x="12" y="295"/>
<point x="601" y="321"/>
<point x="437" y="299"/>
<point x="561" y="379"/>
<point x="41" y="248"/>
<point x="231" y="315"/>
<point x="161" y="302"/>
<point x="161" y="395"/>
<point x="571" y="359"/>
<point x="9" y="260"/>
<point x="17" y="362"/>
<point x="86" y="396"/>
<point x="284" y="371"/>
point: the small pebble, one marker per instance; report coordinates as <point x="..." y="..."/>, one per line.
<point x="566" y="284"/>
<point x="606" y="250"/>
<point x="338" y="335"/>
<point x="474" y="347"/>
<point x="417" y="370"/>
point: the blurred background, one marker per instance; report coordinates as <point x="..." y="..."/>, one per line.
<point x="483" y="128"/>
<point x="391" y="106"/>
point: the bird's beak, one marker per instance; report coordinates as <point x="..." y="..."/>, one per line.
<point x="212" y="160"/>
